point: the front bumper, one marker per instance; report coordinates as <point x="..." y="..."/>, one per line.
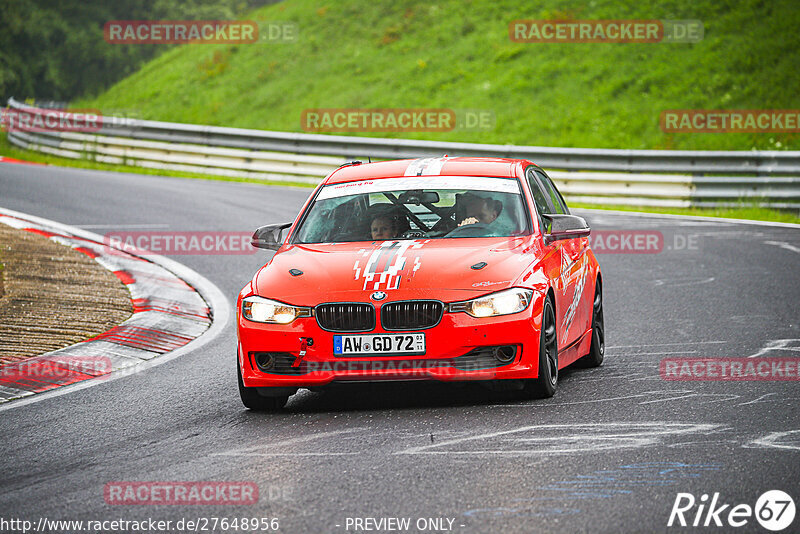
<point x="458" y="348"/>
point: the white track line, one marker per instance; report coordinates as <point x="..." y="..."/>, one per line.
<point x="290" y="441"/>
<point x="140" y="225"/>
<point x="783" y="245"/>
<point x="691" y="218"/>
<point x="651" y="353"/>
<point x="665" y="344"/>
<point x="773" y="441"/>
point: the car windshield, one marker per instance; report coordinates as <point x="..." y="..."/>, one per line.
<point x="414" y="208"/>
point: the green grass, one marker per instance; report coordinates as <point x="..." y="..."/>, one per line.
<point x="457" y="54"/>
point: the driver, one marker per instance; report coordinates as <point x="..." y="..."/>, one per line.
<point x="481" y="210"/>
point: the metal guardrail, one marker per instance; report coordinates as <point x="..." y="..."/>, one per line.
<point x="624" y="177"/>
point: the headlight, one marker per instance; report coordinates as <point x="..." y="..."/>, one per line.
<point x="506" y="302"/>
<point x="263" y="310"/>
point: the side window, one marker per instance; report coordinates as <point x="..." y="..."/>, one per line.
<point x="555" y="197"/>
<point x="538" y="194"/>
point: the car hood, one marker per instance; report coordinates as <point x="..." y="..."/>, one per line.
<point x="408" y="269"/>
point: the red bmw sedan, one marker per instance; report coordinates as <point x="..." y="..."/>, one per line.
<point x="435" y="269"/>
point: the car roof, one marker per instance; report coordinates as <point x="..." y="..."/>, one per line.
<point x="444" y="166"/>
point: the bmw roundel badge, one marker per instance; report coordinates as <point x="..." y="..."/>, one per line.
<point x="378" y="295"/>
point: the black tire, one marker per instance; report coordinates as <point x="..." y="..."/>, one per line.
<point x="598" y="348"/>
<point x="544" y="386"/>
<point x="253" y="400"/>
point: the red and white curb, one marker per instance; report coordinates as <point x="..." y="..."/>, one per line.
<point x="4" y="159"/>
<point x="172" y="306"/>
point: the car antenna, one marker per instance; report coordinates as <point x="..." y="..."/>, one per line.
<point x="369" y="159"/>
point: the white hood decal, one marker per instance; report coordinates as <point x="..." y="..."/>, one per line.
<point x="386" y="265"/>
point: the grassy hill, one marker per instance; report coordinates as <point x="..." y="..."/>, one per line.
<point x="457" y="54"/>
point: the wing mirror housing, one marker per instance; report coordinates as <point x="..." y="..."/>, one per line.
<point x="269" y="237"/>
<point x="558" y="227"/>
<point x="419" y="197"/>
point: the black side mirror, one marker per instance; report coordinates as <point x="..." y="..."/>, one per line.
<point x="557" y="227"/>
<point x="269" y="236"/>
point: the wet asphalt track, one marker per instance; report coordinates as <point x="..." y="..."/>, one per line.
<point x="607" y="454"/>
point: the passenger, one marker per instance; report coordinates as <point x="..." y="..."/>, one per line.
<point x="384" y="227"/>
<point x="481" y="210"/>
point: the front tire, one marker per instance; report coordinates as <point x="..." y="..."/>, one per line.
<point x="544" y="386"/>
<point x="253" y="400"/>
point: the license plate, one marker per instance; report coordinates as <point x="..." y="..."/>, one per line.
<point x="379" y="344"/>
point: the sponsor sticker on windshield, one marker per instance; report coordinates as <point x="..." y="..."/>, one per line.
<point x="458" y="183"/>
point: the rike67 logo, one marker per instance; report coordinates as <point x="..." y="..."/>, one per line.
<point x="774" y="510"/>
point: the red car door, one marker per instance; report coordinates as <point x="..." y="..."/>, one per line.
<point x="569" y="260"/>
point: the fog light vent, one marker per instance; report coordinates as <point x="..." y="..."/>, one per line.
<point x="264" y="360"/>
<point x="505" y="354"/>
